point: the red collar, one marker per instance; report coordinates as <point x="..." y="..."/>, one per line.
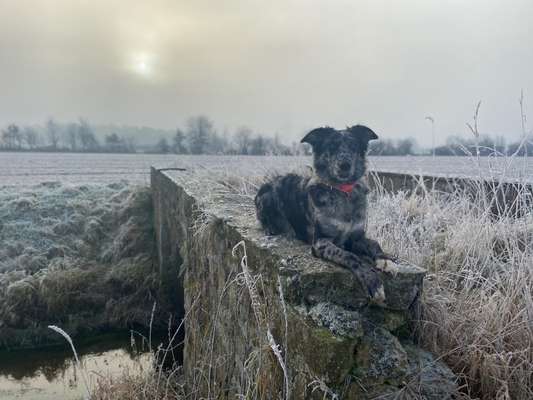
<point x="347" y="187"/>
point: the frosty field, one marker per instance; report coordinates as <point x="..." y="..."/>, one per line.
<point x="71" y="168"/>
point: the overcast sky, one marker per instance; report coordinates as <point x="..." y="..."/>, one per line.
<point x="277" y="66"/>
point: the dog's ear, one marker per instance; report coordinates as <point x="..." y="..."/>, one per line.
<point x="317" y="136"/>
<point x="363" y="133"/>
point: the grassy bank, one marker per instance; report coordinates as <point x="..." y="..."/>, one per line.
<point x="79" y="257"/>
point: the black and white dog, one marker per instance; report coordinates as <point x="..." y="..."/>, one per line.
<point x="328" y="209"/>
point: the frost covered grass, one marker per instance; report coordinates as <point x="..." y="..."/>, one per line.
<point x="478" y="304"/>
<point x="78" y="257"/>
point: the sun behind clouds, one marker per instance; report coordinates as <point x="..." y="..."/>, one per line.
<point x="142" y="64"/>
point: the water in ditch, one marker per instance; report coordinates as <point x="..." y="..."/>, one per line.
<point x="52" y="374"/>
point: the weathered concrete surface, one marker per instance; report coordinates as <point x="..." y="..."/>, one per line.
<point x="328" y="338"/>
<point x="170" y="227"/>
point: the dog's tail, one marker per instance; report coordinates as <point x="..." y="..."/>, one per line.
<point x="269" y="209"/>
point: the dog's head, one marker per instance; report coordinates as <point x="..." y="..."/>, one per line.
<point x="340" y="156"/>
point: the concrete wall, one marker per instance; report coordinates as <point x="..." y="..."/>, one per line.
<point x="265" y="319"/>
<point x="509" y="198"/>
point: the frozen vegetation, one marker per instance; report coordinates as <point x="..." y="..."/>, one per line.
<point x="78" y="257"/>
<point x="478" y="299"/>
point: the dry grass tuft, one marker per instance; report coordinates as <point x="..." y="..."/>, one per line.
<point x="140" y="385"/>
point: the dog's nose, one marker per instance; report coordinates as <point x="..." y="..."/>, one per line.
<point x="345" y="166"/>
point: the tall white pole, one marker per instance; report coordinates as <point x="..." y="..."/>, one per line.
<point x="432" y="120"/>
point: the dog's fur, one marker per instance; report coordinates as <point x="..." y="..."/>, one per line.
<point x="315" y="210"/>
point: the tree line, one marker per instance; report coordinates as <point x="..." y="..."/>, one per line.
<point x="199" y="136"/>
<point x="76" y="136"/>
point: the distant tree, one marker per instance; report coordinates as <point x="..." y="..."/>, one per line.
<point x="242" y="140"/>
<point x="500" y="144"/>
<point x="217" y="144"/>
<point x="179" y="142"/>
<point x="199" y="130"/>
<point x="131" y="144"/>
<point x="162" y="146"/>
<point x="86" y="136"/>
<point x="489" y="145"/>
<point x="11" y="137"/>
<point x="278" y="148"/>
<point x="405" y="147"/>
<point x="388" y="147"/>
<point x="52" y="131"/>
<point x="521" y="148"/>
<point x="115" y="143"/>
<point x="17" y="135"/>
<point x="447" y="151"/>
<point x="7" y="141"/>
<point x="30" y="137"/>
<point x="383" y="147"/>
<point x="276" y="145"/>
<point x="71" y="136"/>
<point x="258" y="146"/>
<point x="225" y="140"/>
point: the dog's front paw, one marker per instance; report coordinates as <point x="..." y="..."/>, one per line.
<point x="369" y="278"/>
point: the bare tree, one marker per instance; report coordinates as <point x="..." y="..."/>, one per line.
<point x="52" y="131"/>
<point x="199" y="130"/>
<point x="405" y="147"/>
<point x="31" y="137"/>
<point x="71" y="136"/>
<point x="131" y="143"/>
<point x="179" y="142"/>
<point x="11" y="137"/>
<point x="162" y="146"/>
<point x="242" y="139"/>
<point x="86" y="136"/>
<point x="258" y="146"/>
<point x="17" y="135"/>
<point x="119" y="144"/>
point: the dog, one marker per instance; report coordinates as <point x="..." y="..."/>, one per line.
<point x="328" y="208"/>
